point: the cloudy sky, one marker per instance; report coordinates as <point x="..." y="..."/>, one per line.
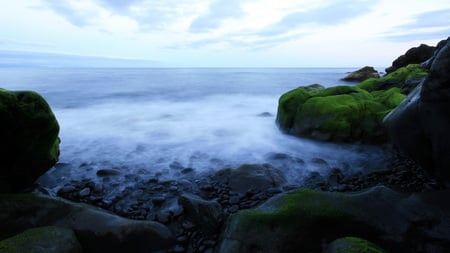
<point x="226" y="33"/>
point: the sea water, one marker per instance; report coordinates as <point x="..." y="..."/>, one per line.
<point x="149" y="122"/>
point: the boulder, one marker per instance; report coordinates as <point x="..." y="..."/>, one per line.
<point x="362" y="74"/>
<point x="414" y="55"/>
<point x="346" y="113"/>
<point x="341" y="113"/>
<point x="419" y="125"/>
<point x="42" y="240"/>
<point x="248" y="177"/>
<point x="305" y="220"/>
<point x="208" y="215"/>
<point x="29" y="134"/>
<point x="97" y="230"/>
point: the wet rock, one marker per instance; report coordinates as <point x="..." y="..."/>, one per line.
<point x="97" y="230"/>
<point x="29" y="139"/>
<point x="419" y="125"/>
<point x="251" y="176"/>
<point x="206" y="214"/>
<point x="265" y="114"/>
<point x="362" y="74"/>
<point x="305" y="219"/>
<point x="42" y="240"/>
<point x="107" y="172"/>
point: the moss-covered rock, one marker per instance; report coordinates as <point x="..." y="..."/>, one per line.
<point x="398" y="78"/>
<point x="29" y="139"/>
<point x="42" y="240"/>
<point x="352" y="245"/>
<point x="97" y="230"/>
<point x="305" y="220"/>
<point x="341" y="113"/>
<point x="345" y="113"/>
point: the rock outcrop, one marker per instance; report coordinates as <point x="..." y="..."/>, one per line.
<point x="97" y="230"/>
<point x="419" y="125"/>
<point x="414" y="55"/>
<point x="307" y="220"/>
<point x="362" y="74"/>
<point x="29" y="134"/>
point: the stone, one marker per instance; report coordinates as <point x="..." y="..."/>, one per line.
<point x="257" y="177"/>
<point x="29" y="134"/>
<point x="208" y="215"/>
<point x="107" y="172"/>
<point x="362" y="74"/>
<point x="304" y="220"/>
<point x="414" y="55"/>
<point x="419" y="125"/>
<point x="42" y="240"/>
<point x="97" y="230"/>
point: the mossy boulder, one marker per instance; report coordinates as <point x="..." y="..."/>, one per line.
<point x="306" y="220"/>
<point x="352" y="245"/>
<point x="29" y="134"/>
<point x="97" y="230"/>
<point x="42" y="240"/>
<point x="341" y="113"/>
<point x="401" y="78"/>
<point x="346" y="113"/>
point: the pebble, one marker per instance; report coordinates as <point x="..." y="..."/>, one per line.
<point x="85" y="192"/>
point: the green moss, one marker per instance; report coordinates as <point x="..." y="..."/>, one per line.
<point x="395" y="79"/>
<point x="345" y="113"/>
<point x="353" y="245"/>
<point x="301" y="221"/>
<point x="42" y="240"/>
<point x="29" y="133"/>
<point x="288" y="105"/>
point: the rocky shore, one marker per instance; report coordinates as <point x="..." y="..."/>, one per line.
<point x="402" y="207"/>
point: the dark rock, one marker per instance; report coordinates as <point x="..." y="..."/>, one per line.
<point x="247" y="177"/>
<point x="419" y="125"/>
<point x="303" y="220"/>
<point x="97" y="230"/>
<point x="107" y="172"/>
<point x="414" y="55"/>
<point x="265" y="114"/>
<point x="29" y="139"/>
<point x="206" y="214"/>
<point x="362" y="74"/>
<point x="42" y="240"/>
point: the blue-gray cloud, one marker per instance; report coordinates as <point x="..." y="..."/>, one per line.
<point x="218" y="11"/>
<point x="335" y="13"/>
<point x="427" y="25"/>
<point x="118" y="6"/>
<point x="64" y="9"/>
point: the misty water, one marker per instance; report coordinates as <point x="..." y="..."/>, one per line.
<point x="154" y="122"/>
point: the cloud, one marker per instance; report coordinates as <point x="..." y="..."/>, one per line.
<point x="336" y="12"/>
<point x="425" y="26"/>
<point x="219" y="11"/>
<point x="65" y="9"/>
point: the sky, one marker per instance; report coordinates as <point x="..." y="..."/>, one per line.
<point x="220" y="33"/>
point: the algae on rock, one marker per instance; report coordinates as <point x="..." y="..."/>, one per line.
<point x="345" y="113"/>
<point x="29" y="134"/>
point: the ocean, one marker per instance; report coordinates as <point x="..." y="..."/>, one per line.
<point x="155" y="122"/>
